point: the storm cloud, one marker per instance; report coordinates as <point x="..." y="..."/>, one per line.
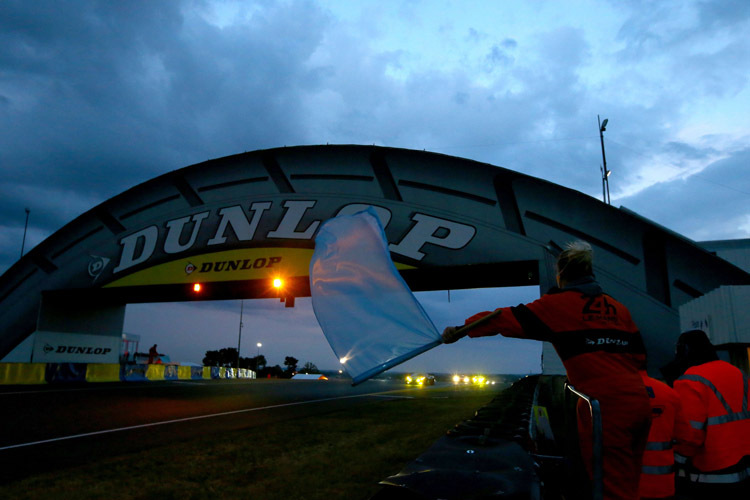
<point x="97" y="97"/>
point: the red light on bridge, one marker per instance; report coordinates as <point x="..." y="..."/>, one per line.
<point x="197" y="287"/>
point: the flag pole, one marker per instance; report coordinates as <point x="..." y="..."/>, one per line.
<point x="393" y="362"/>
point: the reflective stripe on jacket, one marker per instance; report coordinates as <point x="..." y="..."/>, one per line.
<point x="715" y="401"/>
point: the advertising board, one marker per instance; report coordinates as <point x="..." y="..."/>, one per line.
<point x="58" y="347"/>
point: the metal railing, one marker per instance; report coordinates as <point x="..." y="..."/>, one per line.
<point x="597" y="487"/>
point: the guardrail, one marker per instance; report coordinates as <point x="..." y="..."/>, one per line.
<point x="597" y="488"/>
<point x="57" y="373"/>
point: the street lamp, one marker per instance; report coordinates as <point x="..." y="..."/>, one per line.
<point x="23" y="242"/>
<point x="239" y="336"/>
<point x="257" y="360"/>
<point x="604" y="171"/>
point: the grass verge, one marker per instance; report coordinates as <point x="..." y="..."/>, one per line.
<point x="340" y="455"/>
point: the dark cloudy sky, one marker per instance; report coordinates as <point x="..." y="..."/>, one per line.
<point x="96" y="97"/>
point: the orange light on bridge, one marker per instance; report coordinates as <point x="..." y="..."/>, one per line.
<point x="197" y="287"/>
<point x="278" y="283"/>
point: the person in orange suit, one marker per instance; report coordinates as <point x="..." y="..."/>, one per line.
<point x="715" y="398"/>
<point x="602" y="351"/>
<point x="153" y="354"/>
<point x="668" y="424"/>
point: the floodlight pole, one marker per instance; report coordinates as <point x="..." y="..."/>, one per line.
<point x="605" y="172"/>
<point x="239" y="336"/>
<point x="23" y="242"/>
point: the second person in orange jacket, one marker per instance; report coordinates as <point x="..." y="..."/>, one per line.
<point x="668" y="424"/>
<point x="715" y="396"/>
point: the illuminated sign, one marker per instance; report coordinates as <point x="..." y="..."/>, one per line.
<point x="230" y="265"/>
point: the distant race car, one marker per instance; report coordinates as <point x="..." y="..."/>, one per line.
<point x="471" y="379"/>
<point x="420" y="379"/>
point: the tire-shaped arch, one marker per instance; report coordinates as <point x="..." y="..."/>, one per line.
<point x="231" y="222"/>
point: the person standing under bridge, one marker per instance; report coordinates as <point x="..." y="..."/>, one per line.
<point x="153" y="354"/>
<point x="601" y="349"/>
<point x="715" y="397"/>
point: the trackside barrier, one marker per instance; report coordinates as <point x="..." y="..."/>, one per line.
<point x="22" y="373"/>
<point x="133" y="373"/>
<point x="170" y="372"/>
<point x="597" y="487"/>
<point x="104" y="372"/>
<point x="65" y="373"/>
<point x="155" y="372"/>
<point x="61" y="373"/>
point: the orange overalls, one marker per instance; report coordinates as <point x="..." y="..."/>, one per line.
<point x="667" y="424"/>
<point x="715" y="399"/>
<point x="601" y="348"/>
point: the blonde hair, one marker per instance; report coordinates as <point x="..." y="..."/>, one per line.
<point x="576" y="261"/>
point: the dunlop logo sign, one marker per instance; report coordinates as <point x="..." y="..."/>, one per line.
<point x="184" y="234"/>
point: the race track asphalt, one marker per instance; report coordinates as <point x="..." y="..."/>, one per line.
<point x="46" y="428"/>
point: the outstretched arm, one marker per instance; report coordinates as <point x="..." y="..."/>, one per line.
<point x="501" y="321"/>
<point x="473" y="325"/>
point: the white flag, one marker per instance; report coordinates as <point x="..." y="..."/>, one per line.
<point x="368" y="314"/>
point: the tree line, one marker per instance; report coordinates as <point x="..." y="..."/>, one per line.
<point x="227" y="357"/>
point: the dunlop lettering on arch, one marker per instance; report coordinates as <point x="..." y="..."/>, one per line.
<point x="209" y="230"/>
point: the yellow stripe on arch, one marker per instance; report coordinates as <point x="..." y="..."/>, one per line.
<point x="229" y="265"/>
